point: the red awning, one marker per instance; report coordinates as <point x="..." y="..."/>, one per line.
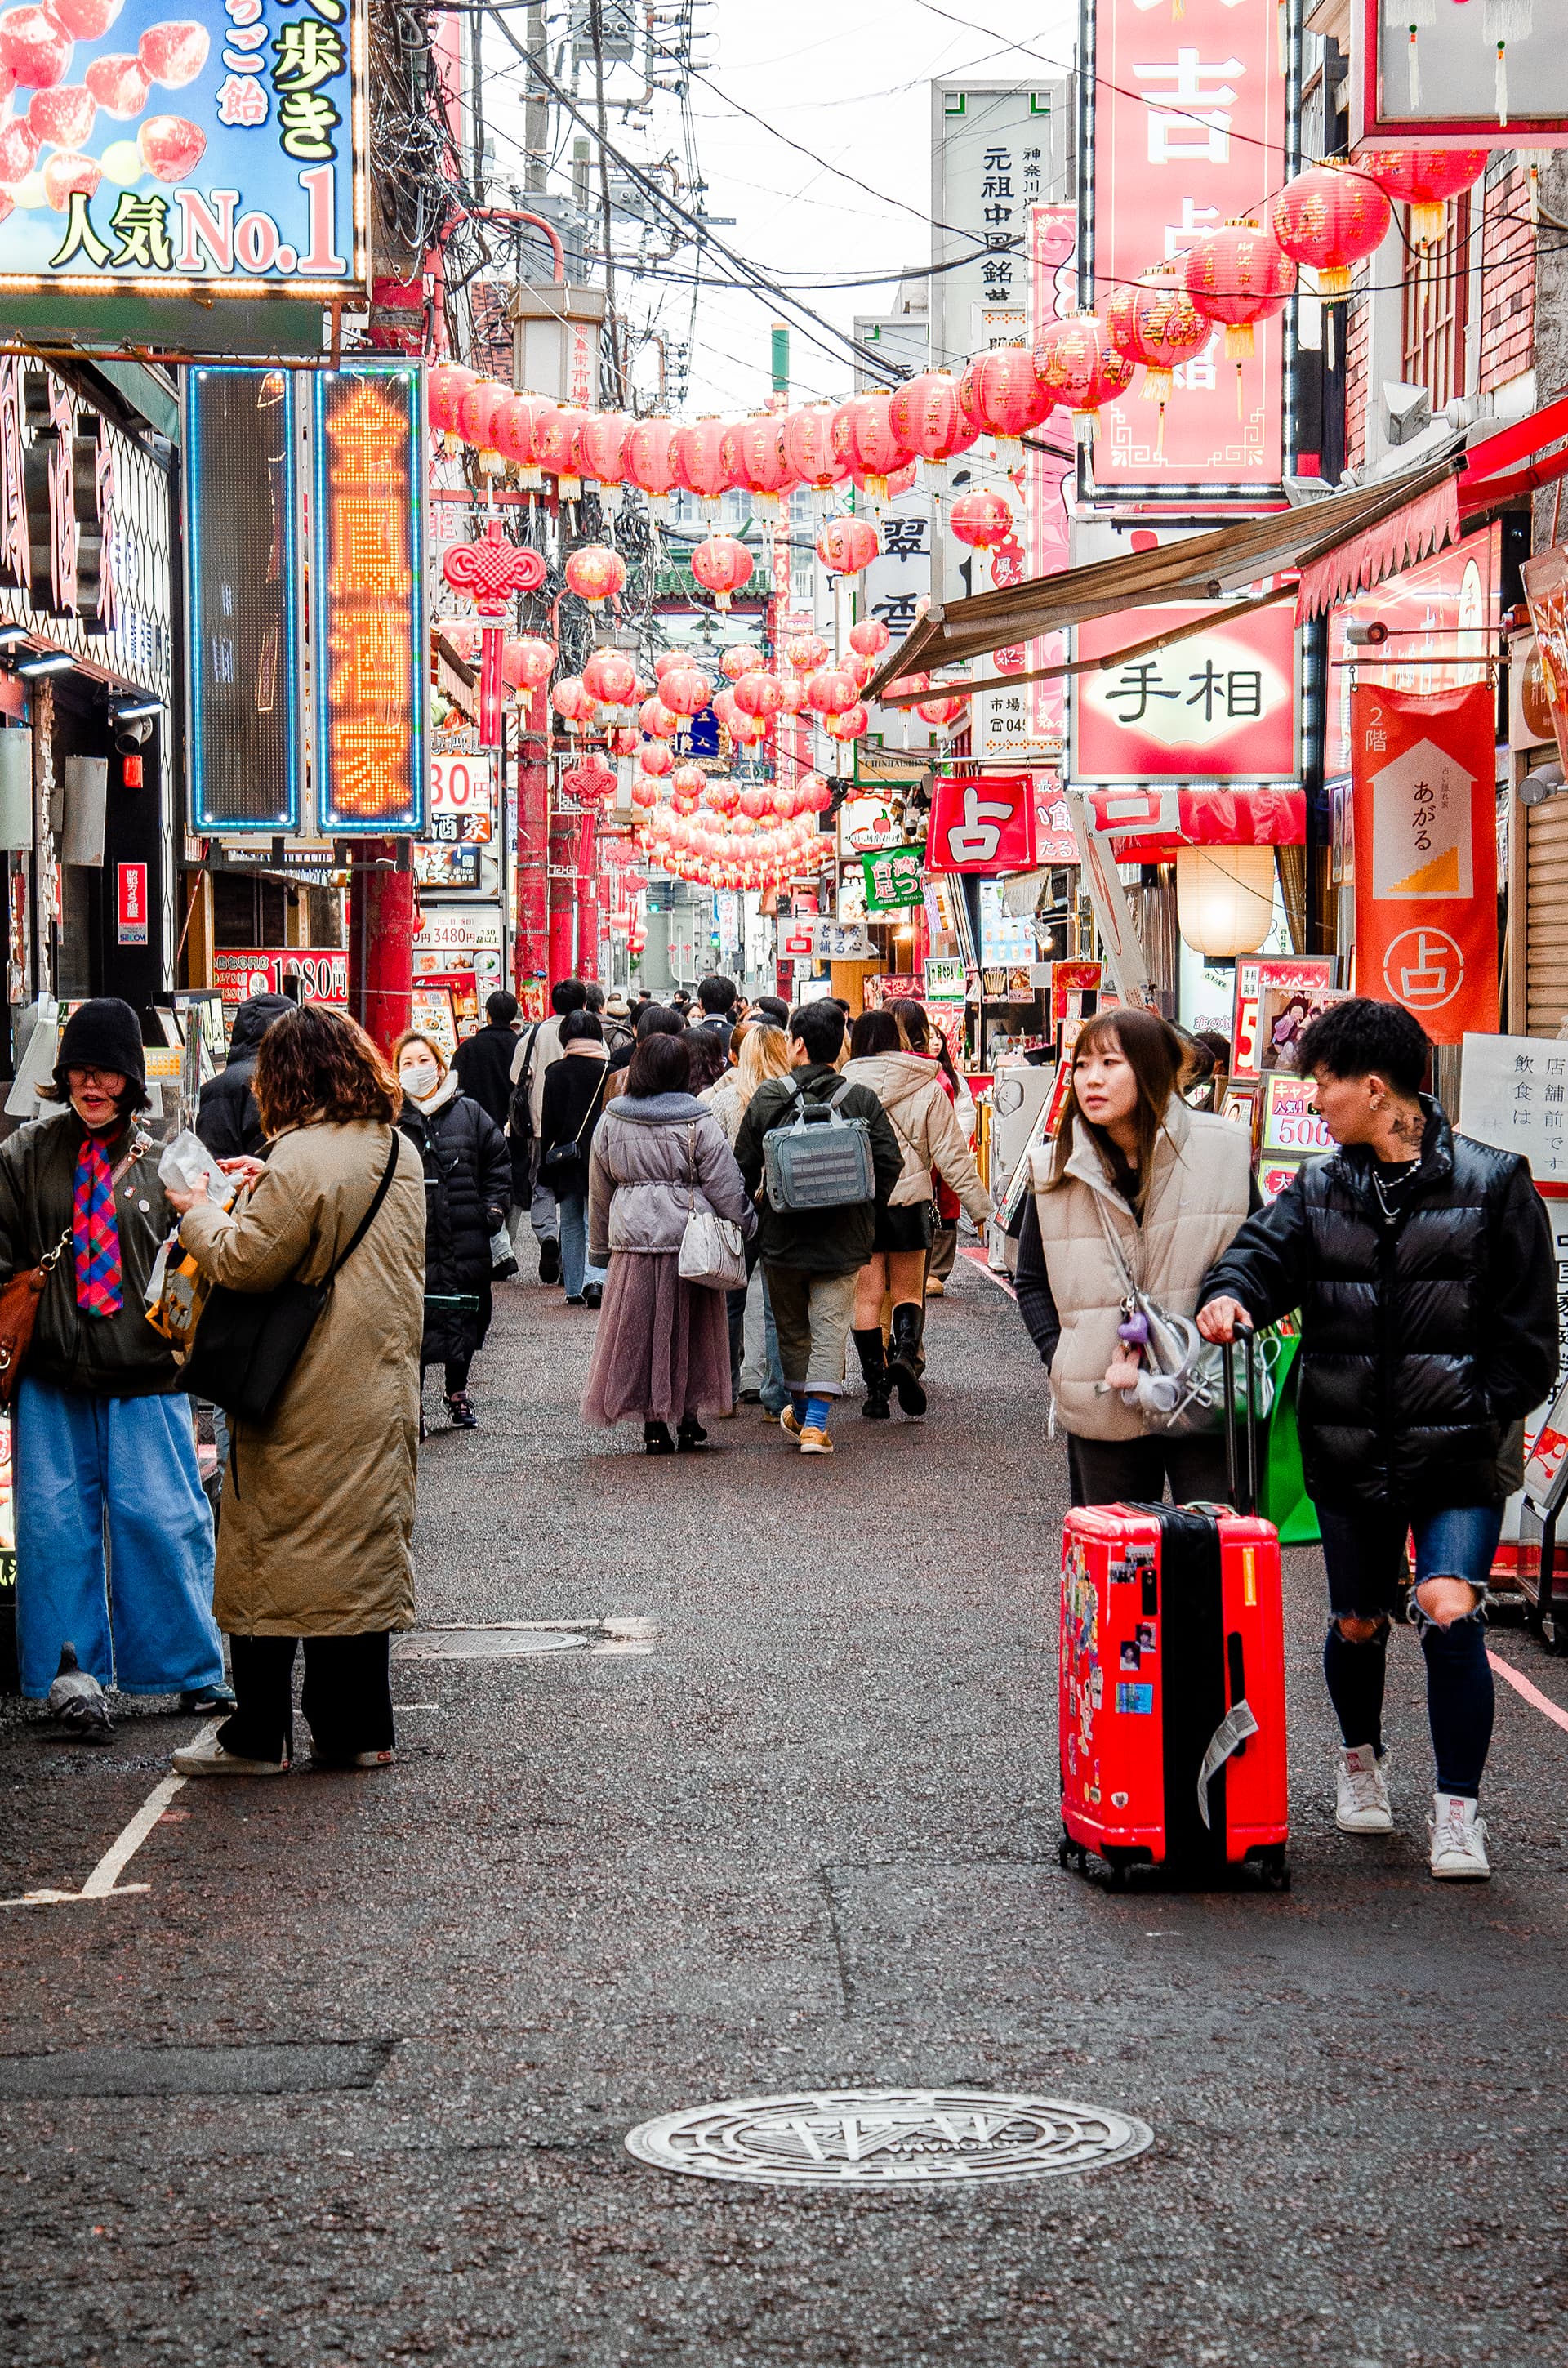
<point x="1414" y="531"/>
<point x="1493" y="473"/>
<point x="1149" y="823"/>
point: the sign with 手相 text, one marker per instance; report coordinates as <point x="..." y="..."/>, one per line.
<point x="368" y="599"/>
<point x="1426" y="856"/>
<point x="1219" y="707"/>
<point x="222" y="154"/>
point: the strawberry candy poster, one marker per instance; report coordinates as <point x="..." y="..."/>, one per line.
<point x="217" y="152"/>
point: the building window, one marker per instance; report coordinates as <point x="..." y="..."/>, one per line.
<point x="1436" y="285"/>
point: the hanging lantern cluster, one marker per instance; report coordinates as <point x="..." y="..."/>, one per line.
<point x="723" y="834"/>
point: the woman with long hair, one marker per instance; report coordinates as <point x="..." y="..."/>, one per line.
<point x="1136" y="1189"/>
<point x="662" y="1350"/>
<point x="912" y="1092"/>
<point x="315" y="1542"/>
<point x="919" y="1035"/>
<point x="757" y="1050"/>
<point x="468" y="1189"/>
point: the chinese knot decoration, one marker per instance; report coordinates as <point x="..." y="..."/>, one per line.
<point x="494" y="572"/>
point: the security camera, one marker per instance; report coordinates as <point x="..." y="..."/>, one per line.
<point x="1546" y="781"/>
<point x="130" y="736"/>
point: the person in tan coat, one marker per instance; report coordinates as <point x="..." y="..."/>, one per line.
<point x="318" y="1502"/>
<point x="911" y="1091"/>
<point x="1136" y="1186"/>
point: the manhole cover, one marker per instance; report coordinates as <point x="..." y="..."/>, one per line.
<point x="888" y="2138"/>
<point x="490" y="1644"/>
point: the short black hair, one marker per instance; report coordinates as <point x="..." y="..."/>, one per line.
<point x="873" y="1033"/>
<point x="844" y="1004"/>
<point x="659" y="1020"/>
<point x="820" y="1028"/>
<point x="661" y="1065"/>
<point x="774" y="1007"/>
<point x="501" y="1008"/>
<point x="716" y="993"/>
<point x="1212" y="1042"/>
<point x="568" y="994"/>
<point x="580" y="1025"/>
<point x="1363" y="1038"/>
<point x="592" y="995"/>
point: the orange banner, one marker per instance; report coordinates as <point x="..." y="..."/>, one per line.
<point x="1425" y="837"/>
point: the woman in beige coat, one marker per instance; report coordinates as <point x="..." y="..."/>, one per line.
<point x="318" y="1501"/>
<point x="911" y="1091"/>
<point x="1136" y="1186"/>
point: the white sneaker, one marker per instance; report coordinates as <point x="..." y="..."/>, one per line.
<point x="1459" y="1840"/>
<point x="1361" y="1803"/>
<point x="213" y="1760"/>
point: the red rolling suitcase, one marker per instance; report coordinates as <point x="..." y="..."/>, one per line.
<point x="1172" y="1684"/>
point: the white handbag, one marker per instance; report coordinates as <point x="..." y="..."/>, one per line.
<point x="713" y="1248"/>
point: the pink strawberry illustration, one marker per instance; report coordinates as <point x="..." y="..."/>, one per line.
<point x="171" y="147"/>
<point x="173" y="54"/>
<point x="18" y="151"/>
<point x="62" y="116"/>
<point x="66" y="171"/>
<point x="120" y="85"/>
<point x="83" y="21"/>
<point x="37" y="52"/>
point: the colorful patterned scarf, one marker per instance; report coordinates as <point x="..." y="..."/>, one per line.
<point x="95" y="1232"/>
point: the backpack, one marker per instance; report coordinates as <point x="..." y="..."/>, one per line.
<point x="818" y="1160"/>
<point x="519" y="1118"/>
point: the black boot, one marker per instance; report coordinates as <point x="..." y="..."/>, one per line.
<point x="908" y="1323"/>
<point x="874" y="1366"/>
<point x="689" y="1434"/>
<point x="657" y="1439"/>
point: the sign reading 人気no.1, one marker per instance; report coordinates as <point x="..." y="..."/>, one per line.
<point x="892" y="878"/>
<point x="221" y="154"/>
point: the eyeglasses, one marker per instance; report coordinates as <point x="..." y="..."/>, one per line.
<point x="111" y="1080"/>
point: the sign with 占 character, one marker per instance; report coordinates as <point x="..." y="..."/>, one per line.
<point x="892" y="878"/>
<point x="219" y="155"/>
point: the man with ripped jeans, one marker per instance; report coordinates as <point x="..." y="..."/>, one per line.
<point x="1421" y="1265"/>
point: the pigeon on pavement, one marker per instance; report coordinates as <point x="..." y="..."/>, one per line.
<point x="78" y="1701"/>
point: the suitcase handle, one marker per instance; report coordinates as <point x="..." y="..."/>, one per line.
<point x="1236" y="1662"/>
<point x="1233" y="1473"/>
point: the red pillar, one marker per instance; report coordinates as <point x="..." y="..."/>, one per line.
<point x="532" y="956"/>
<point x="380" y="942"/>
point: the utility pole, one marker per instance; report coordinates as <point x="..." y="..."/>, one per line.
<point x="536" y="109"/>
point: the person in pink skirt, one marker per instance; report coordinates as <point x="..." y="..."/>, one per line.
<point x="662" y="1347"/>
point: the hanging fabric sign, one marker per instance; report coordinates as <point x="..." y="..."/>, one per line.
<point x="1426" y="856"/>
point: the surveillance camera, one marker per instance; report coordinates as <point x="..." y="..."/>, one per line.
<point x="130" y="738"/>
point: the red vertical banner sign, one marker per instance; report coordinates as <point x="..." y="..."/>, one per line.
<point x="1426" y="825"/>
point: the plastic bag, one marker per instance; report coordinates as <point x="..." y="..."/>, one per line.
<point x="189" y="1166"/>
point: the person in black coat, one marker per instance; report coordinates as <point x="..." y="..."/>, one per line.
<point x="483" y="1061"/>
<point x="468" y="1179"/>
<point x="1422" y="1264"/>
<point x="575" y="1090"/>
<point x="226" y="1118"/>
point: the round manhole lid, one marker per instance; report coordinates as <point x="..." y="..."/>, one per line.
<point x="490" y="1644"/>
<point x="889" y="2137"/>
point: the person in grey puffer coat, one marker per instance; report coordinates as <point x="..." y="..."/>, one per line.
<point x="662" y="1347"/>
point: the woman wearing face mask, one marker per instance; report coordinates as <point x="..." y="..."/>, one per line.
<point x="468" y="1185"/>
<point x="1136" y="1186"/>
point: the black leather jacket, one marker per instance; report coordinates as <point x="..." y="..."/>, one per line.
<point x="1424" y="1333"/>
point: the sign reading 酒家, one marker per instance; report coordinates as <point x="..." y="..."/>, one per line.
<point x="221" y="154"/>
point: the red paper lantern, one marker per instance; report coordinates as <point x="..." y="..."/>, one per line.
<point x="477" y="409"/>
<point x="741" y="657"/>
<point x="791" y="695"/>
<point x="602" y="447"/>
<point x="651" y="456"/>
<point x="981" y="519"/>
<point x="1155" y="321"/>
<point x="724" y="706"/>
<point x="525" y="663"/>
<point x="687" y="781"/>
<point x="945" y="711"/>
<point x="815" y="795"/>
<point x="757" y="457"/>
<point x="646" y="792"/>
<point x="847" y="545"/>
<point x="705" y="469"/>
<point x="654" y="758"/>
<point x="595" y="573"/>
<point x="860" y="666"/>
<point x="760" y="694"/>
<point x="1239" y="275"/>
<point x="832" y="690"/>
<point x="513" y="428"/>
<point x="723" y="795"/>
<point x="571" y="701"/>
<point x="1081" y="369"/>
<point x="658" y="719"/>
<point x="1422" y="178"/>
<point x="785" y="801"/>
<point x="557" y="448"/>
<point x="448" y="385"/>
<point x="722" y="565"/>
<point x="866" y="443"/>
<point x="624" y="741"/>
<point x="808" y="443"/>
<point x="926" y="416"/>
<point x="1001" y="390"/>
<point x="849" y="725"/>
<point x="806" y="652"/>
<point x="685" y="690"/>
<point x="755" y="801"/>
<point x="610" y="678"/>
<point x="870" y="636"/>
<point x="1331" y="218"/>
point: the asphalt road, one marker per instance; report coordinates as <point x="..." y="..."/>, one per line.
<point x="350" y="2081"/>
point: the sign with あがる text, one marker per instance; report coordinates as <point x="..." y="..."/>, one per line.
<point x="1426" y="855"/>
<point x="368" y="599"/>
<point x="218" y="153"/>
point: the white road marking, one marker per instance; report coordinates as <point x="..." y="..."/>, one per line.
<point x="104" y="1881"/>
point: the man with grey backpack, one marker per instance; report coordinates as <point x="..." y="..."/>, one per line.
<point x="828" y="1159"/>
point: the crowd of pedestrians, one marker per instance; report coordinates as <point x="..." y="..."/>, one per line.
<point x="753" y="1202"/>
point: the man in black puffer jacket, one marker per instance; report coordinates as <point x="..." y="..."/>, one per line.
<point x="226" y="1118"/>
<point x="1421" y="1265"/>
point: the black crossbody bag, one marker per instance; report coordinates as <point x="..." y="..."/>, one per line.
<point x="248" y="1342"/>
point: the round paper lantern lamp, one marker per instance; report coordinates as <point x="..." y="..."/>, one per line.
<point x="847" y="545"/>
<point x="1331" y="218"/>
<point x="1424" y="180"/>
<point x="525" y="663"/>
<point x="1239" y="275"/>
<point x="1224" y="898"/>
<point x="722" y="565"/>
<point x="685" y="690"/>
<point x="610" y="678"/>
<point x="981" y="519"/>
<point x="871" y="637"/>
<point x="595" y="573"/>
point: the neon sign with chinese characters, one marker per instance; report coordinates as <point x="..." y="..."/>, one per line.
<point x="368" y="592"/>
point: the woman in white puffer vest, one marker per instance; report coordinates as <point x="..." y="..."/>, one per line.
<point x="1136" y="1186"/>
